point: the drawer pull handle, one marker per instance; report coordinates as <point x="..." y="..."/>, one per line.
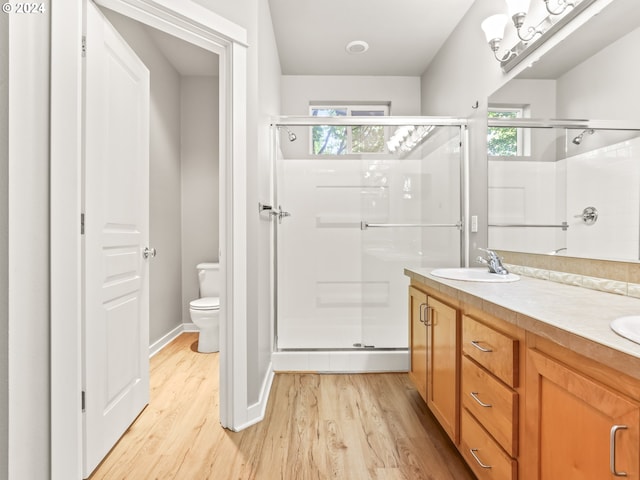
<point x="474" y="395"/>
<point x="612" y="453"/>
<point x="473" y="453"/>
<point x="476" y="344"/>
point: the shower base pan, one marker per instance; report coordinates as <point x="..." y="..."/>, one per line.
<point x="341" y="361"/>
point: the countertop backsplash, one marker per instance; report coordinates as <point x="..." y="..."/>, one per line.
<point x="622" y="278"/>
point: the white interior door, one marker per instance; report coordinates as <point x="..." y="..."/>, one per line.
<point x="116" y="206"/>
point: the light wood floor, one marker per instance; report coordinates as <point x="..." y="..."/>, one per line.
<point x="372" y="426"/>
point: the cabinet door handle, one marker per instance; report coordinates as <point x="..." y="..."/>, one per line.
<point x="422" y="309"/>
<point x="473" y="453"/>
<point x="476" y="344"/>
<point x="474" y="395"/>
<point x="612" y="450"/>
<point x="428" y="323"/>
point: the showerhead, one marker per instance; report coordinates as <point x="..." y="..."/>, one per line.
<point x="578" y="140"/>
<point x="292" y="136"/>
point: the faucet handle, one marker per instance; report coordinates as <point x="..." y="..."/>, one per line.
<point x="481" y="260"/>
<point x="489" y="252"/>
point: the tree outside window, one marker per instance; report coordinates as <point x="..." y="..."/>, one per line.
<point x="343" y="140"/>
<point x="505" y="141"/>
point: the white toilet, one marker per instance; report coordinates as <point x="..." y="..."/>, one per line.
<point x="205" y="311"/>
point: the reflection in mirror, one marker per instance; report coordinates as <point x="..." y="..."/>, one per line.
<point x="574" y="191"/>
<point x="552" y="175"/>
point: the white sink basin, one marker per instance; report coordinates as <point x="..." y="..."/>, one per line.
<point x="474" y="275"/>
<point x="627" y="327"/>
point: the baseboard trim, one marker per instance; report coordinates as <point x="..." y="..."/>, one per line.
<point x="257" y="411"/>
<point x="158" y="345"/>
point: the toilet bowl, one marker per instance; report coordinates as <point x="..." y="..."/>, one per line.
<point x="205" y="314"/>
<point x="205" y="311"/>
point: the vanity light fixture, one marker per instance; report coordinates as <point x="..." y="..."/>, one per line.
<point x="494" y="26"/>
<point x="562" y="4"/>
<point x="518" y="10"/>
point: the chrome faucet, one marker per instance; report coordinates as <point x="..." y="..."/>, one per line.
<point x="493" y="261"/>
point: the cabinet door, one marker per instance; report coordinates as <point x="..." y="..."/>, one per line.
<point x="442" y="365"/>
<point x="571" y="422"/>
<point x="418" y="340"/>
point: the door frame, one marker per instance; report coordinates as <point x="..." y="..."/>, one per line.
<point x="202" y="27"/>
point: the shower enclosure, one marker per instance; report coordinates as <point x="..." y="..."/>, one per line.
<point x="358" y="199"/>
<point x="567" y="187"/>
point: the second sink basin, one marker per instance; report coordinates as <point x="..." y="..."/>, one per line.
<point x="474" y="275"/>
<point x="627" y="327"/>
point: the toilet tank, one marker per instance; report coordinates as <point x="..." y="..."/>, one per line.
<point x="209" y="278"/>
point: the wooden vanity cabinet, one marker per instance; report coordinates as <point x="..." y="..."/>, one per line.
<point x="435" y="353"/>
<point x="578" y="427"/>
<point x="418" y="340"/>
<point x="517" y="405"/>
<point x="443" y="360"/>
<point x="489" y="439"/>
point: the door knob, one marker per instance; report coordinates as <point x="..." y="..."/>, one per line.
<point x="148" y="253"/>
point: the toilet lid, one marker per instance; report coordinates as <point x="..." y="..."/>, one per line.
<point x="206" y="303"/>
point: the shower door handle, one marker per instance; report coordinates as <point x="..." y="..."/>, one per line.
<point x="281" y="214"/>
<point x="272" y="212"/>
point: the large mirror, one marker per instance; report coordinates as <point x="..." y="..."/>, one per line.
<point x="571" y="187"/>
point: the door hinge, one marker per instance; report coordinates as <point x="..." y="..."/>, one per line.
<point x="82" y="224"/>
<point x="83" y="400"/>
<point x="84" y="46"/>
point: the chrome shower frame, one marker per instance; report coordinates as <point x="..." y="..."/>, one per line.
<point x="390" y="121"/>
<point x="573" y="124"/>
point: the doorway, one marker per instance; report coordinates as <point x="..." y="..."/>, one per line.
<point x="179" y="203"/>
<point x="208" y="30"/>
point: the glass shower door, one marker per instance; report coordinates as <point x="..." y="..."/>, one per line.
<point x="412" y="218"/>
<point x="355" y="223"/>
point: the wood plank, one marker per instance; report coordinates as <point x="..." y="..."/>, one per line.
<point x="371" y="426"/>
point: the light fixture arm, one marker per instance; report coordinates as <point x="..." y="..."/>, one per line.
<point x="518" y="21"/>
<point x="563" y="4"/>
<point x="494" y="44"/>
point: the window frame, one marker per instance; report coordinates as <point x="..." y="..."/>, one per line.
<point x="385" y="108"/>
<point x="523" y="135"/>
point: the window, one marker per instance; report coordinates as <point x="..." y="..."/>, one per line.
<point x="343" y="140"/>
<point x="506" y="141"/>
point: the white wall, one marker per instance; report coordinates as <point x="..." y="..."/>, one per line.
<point x="4" y="229"/>
<point x="604" y="86"/>
<point x="165" y="312"/>
<point x="28" y="299"/>
<point x="263" y="101"/>
<point x="403" y="93"/>
<point x="200" y="181"/>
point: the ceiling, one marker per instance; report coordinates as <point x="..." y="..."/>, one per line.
<point x="403" y="35"/>
<point x="186" y="58"/>
<point x="616" y="20"/>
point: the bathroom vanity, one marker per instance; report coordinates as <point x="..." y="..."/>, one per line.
<point x="527" y="378"/>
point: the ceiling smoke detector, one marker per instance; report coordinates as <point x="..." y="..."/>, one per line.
<point x="357" y="47"/>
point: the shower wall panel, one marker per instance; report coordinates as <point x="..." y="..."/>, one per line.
<point x="341" y="286"/>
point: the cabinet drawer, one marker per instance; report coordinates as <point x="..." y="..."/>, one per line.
<point x="493" y="350"/>
<point x="493" y="404"/>
<point x="490" y="461"/>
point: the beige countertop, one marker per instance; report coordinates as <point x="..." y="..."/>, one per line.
<point x="575" y="317"/>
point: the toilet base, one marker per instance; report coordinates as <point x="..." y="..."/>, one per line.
<point x="209" y="340"/>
